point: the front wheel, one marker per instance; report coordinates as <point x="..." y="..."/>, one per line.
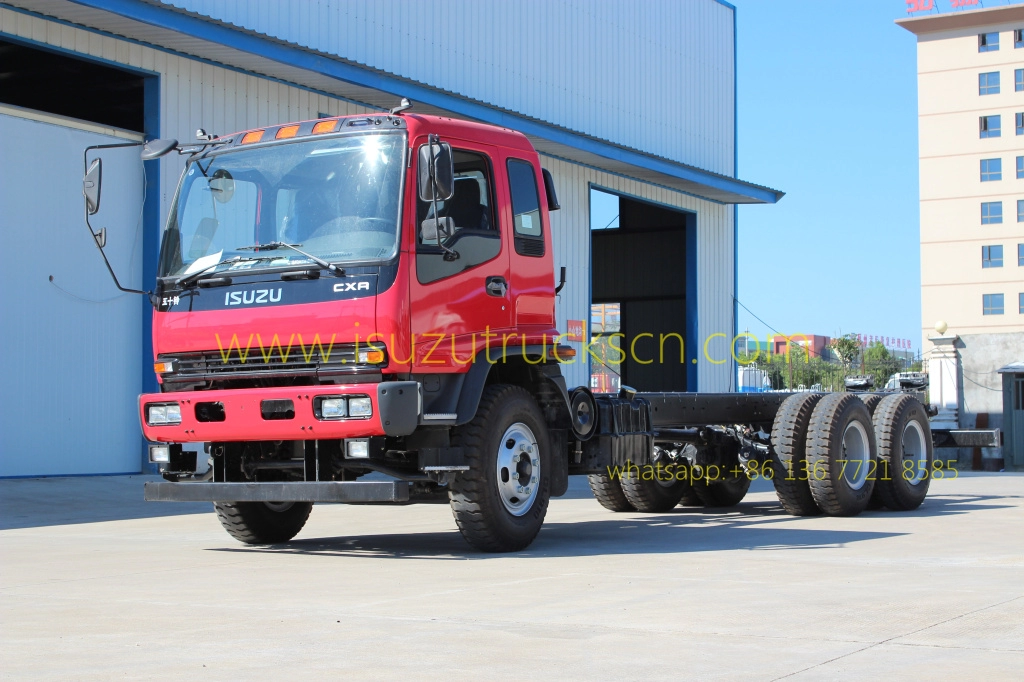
<point x="262" y="523"/>
<point x="500" y="503"/>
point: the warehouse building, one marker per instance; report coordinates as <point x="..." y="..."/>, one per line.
<point x="970" y="67"/>
<point x="632" y="107"/>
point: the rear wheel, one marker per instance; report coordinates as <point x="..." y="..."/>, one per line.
<point x="608" y="493"/>
<point x="500" y="503"/>
<point x="263" y="523"/>
<point x="905" y="452"/>
<point x="841" y="455"/>
<point x="657" y="494"/>
<point x="789" y="454"/>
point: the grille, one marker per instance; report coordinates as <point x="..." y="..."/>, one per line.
<point x="273" y="363"/>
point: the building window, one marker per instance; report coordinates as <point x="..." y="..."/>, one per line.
<point x="1018" y="80"/>
<point x="990" y="126"/>
<point x="988" y="83"/>
<point x="991" y="304"/>
<point x="1020" y="167"/>
<point x="988" y="42"/>
<point x="1020" y="210"/>
<point x="992" y="256"/>
<point x="1020" y="255"/>
<point x="1020" y="304"/>
<point x="991" y="169"/>
<point x="1018" y="37"/>
<point x="991" y="212"/>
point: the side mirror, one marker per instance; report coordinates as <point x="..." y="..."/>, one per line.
<point x="549" y="189"/>
<point x="436" y="171"/>
<point x="91" y="186"/>
<point x="154" y="149"/>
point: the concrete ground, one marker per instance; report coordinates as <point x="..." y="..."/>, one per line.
<point x="96" y="585"/>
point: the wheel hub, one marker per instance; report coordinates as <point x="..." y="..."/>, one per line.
<point x="518" y="469"/>
<point x="914" y="452"/>
<point x="857" y="455"/>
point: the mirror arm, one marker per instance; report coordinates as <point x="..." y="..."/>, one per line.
<point x="449" y="254"/>
<point x="561" y="282"/>
<point x="100" y="238"/>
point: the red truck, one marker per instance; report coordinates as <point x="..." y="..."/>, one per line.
<point x="375" y="294"/>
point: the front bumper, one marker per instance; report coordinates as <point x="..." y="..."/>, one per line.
<point x="396" y="408"/>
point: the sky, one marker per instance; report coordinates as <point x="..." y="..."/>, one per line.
<point x="827" y="112"/>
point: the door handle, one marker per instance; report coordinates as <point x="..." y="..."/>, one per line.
<point x="496" y="286"/>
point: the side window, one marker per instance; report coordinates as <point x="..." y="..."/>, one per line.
<point x="470" y="213"/>
<point x="529" y="237"/>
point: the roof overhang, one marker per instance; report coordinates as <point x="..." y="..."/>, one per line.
<point x="953" y="21"/>
<point x="167" y="28"/>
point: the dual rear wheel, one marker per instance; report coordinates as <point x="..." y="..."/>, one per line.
<point x="833" y="454"/>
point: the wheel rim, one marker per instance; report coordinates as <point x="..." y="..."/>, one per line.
<point x="914" y="451"/>
<point x="857" y="455"/>
<point x="518" y="469"/>
<point x="279" y="506"/>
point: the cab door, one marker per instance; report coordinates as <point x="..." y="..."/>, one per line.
<point x="460" y="299"/>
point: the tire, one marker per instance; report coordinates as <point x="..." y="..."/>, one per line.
<point x="871" y="401"/>
<point x="726" y="493"/>
<point x="789" y="454"/>
<point x="263" y="523"/>
<point x="904" y="437"/>
<point x="608" y="493"/>
<point x="505" y="441"/>
<point x="654" y="496"/>
<point x="841" y="455"/>
<point x="690" y="498"/>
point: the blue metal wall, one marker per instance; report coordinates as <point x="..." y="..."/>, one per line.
<point x="655" y="76"/>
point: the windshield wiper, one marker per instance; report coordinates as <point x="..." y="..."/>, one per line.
<point x="181" y="281"/>
<point x="270" y="246"/>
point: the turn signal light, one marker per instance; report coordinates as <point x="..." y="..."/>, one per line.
<point x="325" y="127"/>
<point x="372" y="357"/>
<point x="286" y="132"/>
<point x="252" y="136"/>
<point x="165" y="367"/>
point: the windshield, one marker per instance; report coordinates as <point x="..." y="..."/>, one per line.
<point x="335" y="198"/>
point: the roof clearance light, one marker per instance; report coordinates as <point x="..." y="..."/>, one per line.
<point x="252" y="136"/>
<point x="325" y="127"/>
<point x="287" y="131"/>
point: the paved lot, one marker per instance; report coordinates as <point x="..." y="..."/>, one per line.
<point x="96" y="584"/>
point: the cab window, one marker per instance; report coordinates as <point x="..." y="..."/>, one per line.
<point x="529" y="235"/>
<point x="470" y="217"/>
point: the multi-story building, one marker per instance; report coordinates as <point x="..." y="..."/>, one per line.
<point x="971" y="135"/>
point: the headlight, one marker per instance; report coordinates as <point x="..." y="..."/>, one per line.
<point x="360" y="407"/>
<point x="158" y="415"/>
<point x="333" y="408"/>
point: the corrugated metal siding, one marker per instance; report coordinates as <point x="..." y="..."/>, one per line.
<point x="655" y="76"/>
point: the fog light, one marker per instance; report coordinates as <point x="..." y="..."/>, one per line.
<point x="158" y="415"/>
<point x="357" y="449"/>
<point x="360" y="407"/>
<point x="371" y="357"/>
<point x="332" y="408"/>
<point x="159" y="454"/>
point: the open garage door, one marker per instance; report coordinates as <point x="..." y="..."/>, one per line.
<point x="639" y="292"/>
<point x="72" y="343"/>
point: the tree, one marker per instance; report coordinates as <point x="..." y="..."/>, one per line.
<point x="846" y="348"/>
<point x="880" y="363"/>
